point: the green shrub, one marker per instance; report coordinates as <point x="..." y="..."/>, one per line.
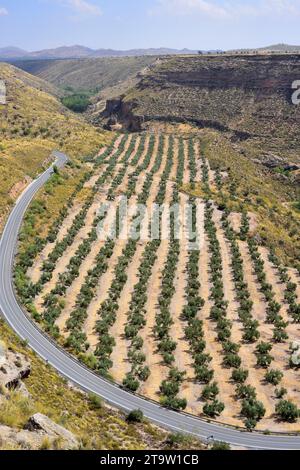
<point x="135" y="416"/>
<point x="78" y="102"/>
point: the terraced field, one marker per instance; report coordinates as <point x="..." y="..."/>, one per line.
<point x="207" y="322"/>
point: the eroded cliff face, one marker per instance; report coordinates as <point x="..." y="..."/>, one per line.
<point x="119" y="114"/>
<point x="248" y="96"/>
<point x="265" y="74"/>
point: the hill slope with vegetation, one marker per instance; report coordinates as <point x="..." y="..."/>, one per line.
<point x="245" y="102"/>
<point x="86" y="74"/>
<point x="247" y="97"/>
<point x="32" y="124"/>
<point x="94" y="425"/>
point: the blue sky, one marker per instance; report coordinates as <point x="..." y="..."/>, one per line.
<point x="125" y="24"/>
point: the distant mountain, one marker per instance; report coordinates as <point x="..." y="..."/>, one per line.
<point x="275" y="48"/>
<point x="79" y="52"/>
<point x="141" y="52"/>
<point x="64" y="52"/>
<point x="280" y="48"/>
<point x="11" y="52"/>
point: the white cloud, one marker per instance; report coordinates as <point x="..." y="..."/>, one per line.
<point x="83" y="7"/>
<point x="186" y="7"/>
<point x="227" y="9"/>
<point x="3" y="11"/>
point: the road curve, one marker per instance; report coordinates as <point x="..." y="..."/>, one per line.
<point x="85" y="378"/>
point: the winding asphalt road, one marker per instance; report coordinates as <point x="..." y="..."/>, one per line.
<point x="86" y="379"/>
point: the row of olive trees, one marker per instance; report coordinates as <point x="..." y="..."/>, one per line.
<point x="192" y="162"/>
<point x="119" y="177"/>
<point x="137" y="312"/>
<point x="77" y="338"/>
<point x="166" y="345"/>
<point x="79" y="221"/>
<point x="54" y="302"/>
<point x="181" y="163"/>
<point x="290" y="295"/>
<point x="273" y="310"/>
<point x="170" y="388"/>
<point x="250" y="326"/>
<point x="108" y="309"/>
<point x="25" y="288"/>
<point x="285" y="409"/>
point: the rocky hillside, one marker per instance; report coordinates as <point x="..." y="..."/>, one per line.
<point x="248" y="97"/>
<point x="32" y="124"/>
<point x="39" y="410"/>
<point x="86" y="74"/>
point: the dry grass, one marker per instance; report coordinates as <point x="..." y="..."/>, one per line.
<point x="32" y="124"/>
<point x="96" y="427"/>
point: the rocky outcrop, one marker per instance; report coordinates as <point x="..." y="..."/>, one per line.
<point x="273" y="161"/>
<point x="119" y="112"/>
<point x="40" y="431"/>
<point x="14" y="367"/>
<point x="42" y="424"/>
<point x="262" y="74"/>
<point x="249" y="97"/>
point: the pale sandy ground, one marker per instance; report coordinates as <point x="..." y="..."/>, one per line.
<point x="87" y="264"/>
<point x="154" y="360"/>
<point x="183" y="359"/>
<point x="235" y="219"/>
<point x="198" y="161"/>
<point x="222" y="375"/>
<point x="256" y="375"/>
<point x="64" y="260"/>
<point x="227" y="390"/>
<point x="119" y="357"/>
<point x="186" y="173"/>
<point x="107" y="279"/>
<point x="212" y="175"/>
<point x="121" y="364"/>
<point x="101" y="294"/>
<point x="34" y="272"/>
<point x="70" y="251"/>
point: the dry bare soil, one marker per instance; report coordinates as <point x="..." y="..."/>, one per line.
<point x="130" y="309"/>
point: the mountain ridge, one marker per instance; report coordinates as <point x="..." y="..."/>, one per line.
<point x="82" y="52"/>
<point x="78" y="51"/>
